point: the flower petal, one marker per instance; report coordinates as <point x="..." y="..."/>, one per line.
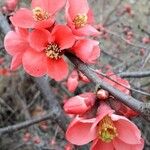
<point x="16" y="61"/>
<point x="120" y="145"/>
<point x="80" y="104"/>
<point x="14" y="43"/>
<point x="35" y="63"/>
<point x="86" y="50"/>
<point x="91" y="19"/>
<point x="102" y="111"/>
<point x="51" y="6"/>
<point x="94" y="55"/>
<point x="79" y="131"/>
<point x="131" y="135"/>
<point x="73" y="80"/>
<point x="63" y="36"/>
<point x="23" y="33"/>
<point x="139" y="146"/>
<point x="76" y="7"/>
<point x="75" y="105"/>
<point x="38" y="39"/>
<point x="87" y="30"/>
<point x="44" y="23"/>
<point x="23" y="18"/>
<point x="57" y="69"/>
<point x="98" y="144"/>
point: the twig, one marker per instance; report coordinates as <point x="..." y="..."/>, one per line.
<point x="138" y="74"/>
<point x="125" y="40"/>
<point x="112" y="11"/>
<point x="129" y="88"/>
<point x="1" y="47"/>
<point x="145" y="60"/>
<point x="4" y="26"/>
<point x="143" y="30"/>
<point x="25" y="124"/>
<point x="111" y="55"/>
<point x="52" y="102"/>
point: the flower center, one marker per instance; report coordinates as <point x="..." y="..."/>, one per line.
<point x="107" y="130"/>
<point x="39" y="14"/>
<point x="80" y="21"/>
<point x="53" y="51"/>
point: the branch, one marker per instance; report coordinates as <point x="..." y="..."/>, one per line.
<point x="142" y="108"/>
<point x="125" y="40"/>
<point x="4" y="26"/>
<point x="52" y="102"/>
<point x="25" y="124"/>
<point x="138" y="74"/>
<point x="112" y="11"/>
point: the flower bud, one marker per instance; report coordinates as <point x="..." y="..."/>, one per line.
<point x="26" y="137"/>
<point x="102" y="94"/>
<point x="80" y="103"/>
<point x="72" y="81"/>
<point x="69" y="146"/>
<point x="36" y="140"/>
<point x="11" y="4"/>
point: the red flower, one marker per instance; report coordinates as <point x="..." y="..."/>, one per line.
<point x="80" y="17"/>
<point x="16" y="44"/>
<point x="41" y="15"/>
<point x="11" y="4"/>
<point x="107" y="131"/>
<point x="102" y="94"/>
<point x="46" y="54"/>
<point x="87" y="50"/>
<point x="73" y="80"/>
<point x="80" y="104"/>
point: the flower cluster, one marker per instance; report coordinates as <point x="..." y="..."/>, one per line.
<point x="95" y="121"/>
<point x="107" y="130"/>
<point x="39" y="43"/>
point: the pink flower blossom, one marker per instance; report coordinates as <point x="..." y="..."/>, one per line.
<point x="107" y="131"/>
<point x="41" y="14"/>
<point x="80" y="104"/>
<point x="73" y="80"/>
<point x="80" y="17"/>
<point x="11" y="4"/>
<point x="46" y="54"/>
<point x="16" y="43"/>
<point x="145" y="40"/>
<point x="87" y="50"/>
<point x="102" y="94"/>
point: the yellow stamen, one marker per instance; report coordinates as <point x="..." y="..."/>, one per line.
<point x="107" y="130"/>
<point x="39" y="14"/>
<point x="80" y="21"/>
<point x="53" y="51"/>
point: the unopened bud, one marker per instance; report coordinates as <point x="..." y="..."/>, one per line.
<point x="102" y="94"/>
